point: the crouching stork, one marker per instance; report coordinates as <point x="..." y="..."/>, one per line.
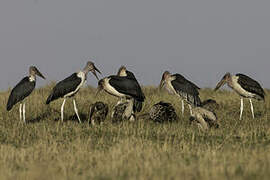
<point x="70" y="86"/>
<point x="98" y="113"/>
<point x="177" y="85"/>
<point x="22" y="90"/>
<point x="123" y="87"/>
<point x="118" y="112"/>
<point x="204" y="118"/>
<point x="161" y="112"/>
<point x="244" y="86"/>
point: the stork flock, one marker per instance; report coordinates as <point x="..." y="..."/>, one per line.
<point x="125" y="86"/>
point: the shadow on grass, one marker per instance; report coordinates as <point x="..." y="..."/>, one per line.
<point x="48" y="113"/>
<point x="40" y="118"/>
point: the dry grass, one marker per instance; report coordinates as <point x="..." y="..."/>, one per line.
<point x="45" y="148"/>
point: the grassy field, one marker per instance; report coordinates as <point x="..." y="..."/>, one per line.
<point x="45" y="148"/>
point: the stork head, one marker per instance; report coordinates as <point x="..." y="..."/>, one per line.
<point x="165" y="77"/>
<point x="223" y="81"/>
<point x="91" y="67"/>
<point x="33" y="71"/>
<point x="122" y="71"/>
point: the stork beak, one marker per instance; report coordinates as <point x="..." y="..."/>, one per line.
<point x="161" y="84"/>
<point x="39" y="74"/>
<point x="221" y="83"/>
<point x="94" y="72"/>
<point x="99" y="89"/>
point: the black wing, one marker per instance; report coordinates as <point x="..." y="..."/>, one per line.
<point x="131" y="75"/>
<point x="137" y="104"/>
<point x="182" y="79"/>
<point x="250" y="85"/>
<point x="127" y="86"/>
<point x="64" y="87"/>
<point x="20" y="91"/>
<point x="187" y="90"/>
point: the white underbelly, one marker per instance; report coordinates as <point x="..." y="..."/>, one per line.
<point x="239" y="90"/>
<point x="111" y="90"/>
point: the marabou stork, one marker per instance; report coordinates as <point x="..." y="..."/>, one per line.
<point x="245" y="86"/>
<point x="125" y="73"/>
<point x="98" y="113"/>
<point x="204" y="118"/>
<point x="119" y="111"/>
<point x="178" y="85"/>
<point x="70" y="86"/>
<point x="22" y="90"/>
<point x="163" y="112"/>
<point x="123" y="87"/>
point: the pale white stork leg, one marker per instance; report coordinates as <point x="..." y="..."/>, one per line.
<point x="190" y="109"/>
<point x="183" y="107"/>
<point x="129" y="109"/>
<point x="62" y="110"/>
<point x="20" y="111"/>
<point x="24" y="112"/>
<point x="76" y="111"/>
<point x="241" y="108"/>
<point x="251" y="107"/>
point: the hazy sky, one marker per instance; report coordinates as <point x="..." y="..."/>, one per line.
<point x="201" y="39"/>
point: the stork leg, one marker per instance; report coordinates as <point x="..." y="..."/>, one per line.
<point x="241" y="108"/>
<point x="251" y="107"/>
<point x="24" y="112"/>
<point x="20" y="111"/>
<point x="76" y="111"/>
<point x="190" y="109"/>
<point x="62" y="110"/>
<point x="129" y="109"/>
<point x="183" y="107"/>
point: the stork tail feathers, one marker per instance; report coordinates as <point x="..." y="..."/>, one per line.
<point x="137" y="106"/>
<point x="49" y="99"/>
<point x="9" y="106"/>
<point x="11" y="102"/>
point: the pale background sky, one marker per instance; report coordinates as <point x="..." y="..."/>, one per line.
<point x="201" y="39"/>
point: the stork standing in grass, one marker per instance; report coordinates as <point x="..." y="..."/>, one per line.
<point x="123" y="87"/>
<point x="70" y="86"/>
<point x="22" y="90"/>
<point x="178" y="85"/>
<point x="125" y="73"/>
<point x="245" y="86"/>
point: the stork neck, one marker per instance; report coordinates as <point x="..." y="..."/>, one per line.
<point x="229" y="82"/>
<point x="82" y="75"/>
<point x="86" y="70"/>
<point x="32" y="77"/>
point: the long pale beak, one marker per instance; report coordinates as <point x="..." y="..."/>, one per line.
<point x="99" y="89"/>
<point x="161" y="84"/>
<point x="221" y="83"/>
<point x="94" y="72"/>
<point x="39" y="74"/>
